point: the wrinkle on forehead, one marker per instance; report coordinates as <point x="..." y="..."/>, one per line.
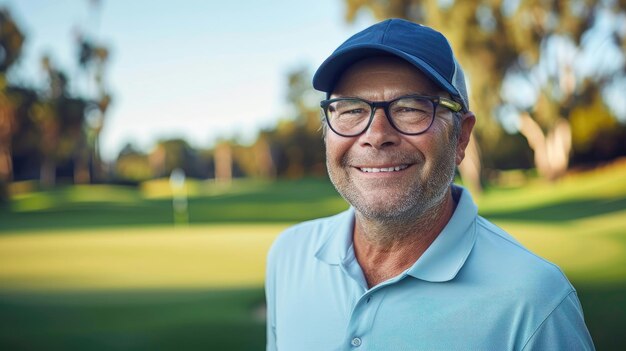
<point x="381" y="76"/>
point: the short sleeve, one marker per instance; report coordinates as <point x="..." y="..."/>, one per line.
<point x="270" y="303"/>
<point x="563" y="329"/>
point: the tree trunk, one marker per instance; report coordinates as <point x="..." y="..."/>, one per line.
<point x="6" y="173"/>
<point x="265" y="163"/>
<point x="81" y="169"/>
<point x="6" y="164"/>
<point x="48" y="173"/>
<point x="223" y="164"/>
<point x="558" y="147"/>
<point x="7" y="126"/>
<point x="97" y="171"/>
<point x="157" y="161"/>
<point x="551" y="150"/>
<point x="82" y="174"/>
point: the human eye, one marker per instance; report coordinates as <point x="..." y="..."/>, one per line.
<point x="413" y="105"/>
<point x="350" y="108"/>
<point x="354" y="111"/>
<point x="405" y="109"/>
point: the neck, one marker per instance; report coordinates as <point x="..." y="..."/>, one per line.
<point x="385" y="248"/>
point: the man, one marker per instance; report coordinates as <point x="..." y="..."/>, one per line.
<point x="410" y="266"/>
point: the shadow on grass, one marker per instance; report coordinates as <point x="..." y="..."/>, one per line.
<point x="605" y="313"/>
<point x="209" y="320"/>
<point x="562" y="211"/>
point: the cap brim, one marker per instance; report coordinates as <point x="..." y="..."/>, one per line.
<point x="331" y="69"/>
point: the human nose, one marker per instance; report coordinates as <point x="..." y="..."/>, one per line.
<point x="380" y="133"/>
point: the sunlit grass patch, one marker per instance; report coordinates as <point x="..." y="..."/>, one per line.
<point x="73" y="195"/>
<point x="594" y="187"/>
<point x="592" y="251"/>
<point x="137" y="258"/>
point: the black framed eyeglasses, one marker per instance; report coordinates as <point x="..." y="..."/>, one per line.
<point x="410" y="114"/>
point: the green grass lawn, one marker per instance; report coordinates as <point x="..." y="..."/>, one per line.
<point x="103" y="267"/>
<point x="133" y="320"/>
<point x="243" y="201"/>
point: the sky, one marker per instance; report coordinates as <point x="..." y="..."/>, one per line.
<point x="198" y="70"/>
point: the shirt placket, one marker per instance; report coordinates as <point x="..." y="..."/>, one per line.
<point x="363" y="316"/>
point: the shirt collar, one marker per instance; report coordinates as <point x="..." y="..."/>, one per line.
<point x="440" y="262"/>
<point x="335" y="249"/>
<point x="446" y="255"/>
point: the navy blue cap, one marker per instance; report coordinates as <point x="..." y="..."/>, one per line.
<point x="423" y="47"/>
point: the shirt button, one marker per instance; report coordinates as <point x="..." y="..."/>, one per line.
<point x="356" y="342"/>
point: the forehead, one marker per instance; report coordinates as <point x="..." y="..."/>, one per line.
<point x="387" y="75"/>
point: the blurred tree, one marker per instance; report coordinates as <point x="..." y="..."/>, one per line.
<point x="546" y="51"/>
<point x="224" y="162"/>
<point x="573" y="57"/>
<point x="596" y="139"/>
<point x="44" y="128"/>
<point x="54" y="122"/>
<point x="26" y="138"/>
<point x="293" y="148"/>
<point x="477" y="53"/>
<point x="132" y="165"/>
<point x="176" y="153"/>
<point x="45" y="114"/>
<point x="263" y="157"/>
<point x="11" y="40"/>
<point x="92" y="59"/>
<point x="232" y="160"/>
<point x="295" y="144"/>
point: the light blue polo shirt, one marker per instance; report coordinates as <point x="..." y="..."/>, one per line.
<point x="475" y="288"/>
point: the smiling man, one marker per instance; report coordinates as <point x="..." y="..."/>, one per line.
<point x="410" y="266"/>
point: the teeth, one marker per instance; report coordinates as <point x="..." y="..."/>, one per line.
<point x="388" y="169"/>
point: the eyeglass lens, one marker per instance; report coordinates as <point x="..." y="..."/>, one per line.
<point x="409" y="115"/>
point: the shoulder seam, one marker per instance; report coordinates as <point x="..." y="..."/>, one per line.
<point x="571" y="291"/>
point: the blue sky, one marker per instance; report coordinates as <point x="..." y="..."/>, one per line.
<point x="193" y="69"/>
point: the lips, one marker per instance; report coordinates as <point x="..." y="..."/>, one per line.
<point x="383" y="169"/>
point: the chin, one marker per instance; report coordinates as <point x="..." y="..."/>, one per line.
<point x="393" y="206"/>
<point x="388" y="208"/>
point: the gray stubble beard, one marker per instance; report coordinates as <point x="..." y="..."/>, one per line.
<point x="417" y="205"/>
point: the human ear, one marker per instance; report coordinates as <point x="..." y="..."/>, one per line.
<point x="467" y="124"/>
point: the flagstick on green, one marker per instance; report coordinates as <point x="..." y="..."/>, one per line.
<point x="179" y="197"/>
